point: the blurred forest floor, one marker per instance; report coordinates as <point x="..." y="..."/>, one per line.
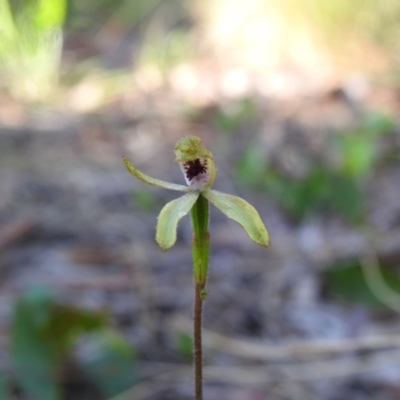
<point x="316" y="150"/>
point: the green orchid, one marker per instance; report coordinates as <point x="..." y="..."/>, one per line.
<point x="199" y="169"/>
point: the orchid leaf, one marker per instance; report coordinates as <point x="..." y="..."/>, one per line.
<point x="153" y="181"/>
<point x="169" y="217"/>
<point x="242" y="212"/>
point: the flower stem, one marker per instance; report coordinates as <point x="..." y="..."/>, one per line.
<point x="201" y="252"/>
<point x="201" y="239"/>
<point x="198" y="350"/>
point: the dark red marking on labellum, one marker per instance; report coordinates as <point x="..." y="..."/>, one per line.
<point x="194" y="168"/>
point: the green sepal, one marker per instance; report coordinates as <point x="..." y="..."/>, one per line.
<point x="169" y="217"/>
<point x="153" y="181"/>
<point x="242" y="212"/>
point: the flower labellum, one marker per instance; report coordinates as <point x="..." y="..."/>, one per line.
<point x="195" y="172"/>
<point x="196" y="162"/>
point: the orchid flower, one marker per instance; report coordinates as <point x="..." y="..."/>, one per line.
<point x="199" y="169"/>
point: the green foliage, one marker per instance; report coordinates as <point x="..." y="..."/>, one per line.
<point x="45" y="332"/>
<point x="230" y="119"/>
<point x="346" y="198"/>
<point x="337" y="187"/>
<point x="91" y="15"/>
<point x="3" y="387"/>
<point x="345" y="281"/>
<point x="166" y="50"/>
<point x="50" y="14"/>
<point x="305" y="196"/>
<point x="31" y="45"/>
<point x="252" y="167"/>
<point x="112" y="367"/>
<point x="358" y="150"/>
<point x="42" y="334"/>
<point x="145" y="200"/>
<point x="184" y="345"/>
<point x="320" y="190"/>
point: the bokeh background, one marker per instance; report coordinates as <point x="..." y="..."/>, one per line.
<point x="299" y="103"/>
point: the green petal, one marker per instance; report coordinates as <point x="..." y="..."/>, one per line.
<point x="242" y="212"/>
<point x="169" y="217"/>
<point x="153" y="181"/>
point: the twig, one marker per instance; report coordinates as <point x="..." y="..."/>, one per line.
<point x="263" y="376"/>
<point x="261" y="351"/>
<point x="147" y="388"/>
<point x="330" y="369"/>
<point x="351" y="245"/>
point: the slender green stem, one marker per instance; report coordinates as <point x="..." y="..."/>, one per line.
<point x="201" y="239"/>
<point x="201" y="252"/>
